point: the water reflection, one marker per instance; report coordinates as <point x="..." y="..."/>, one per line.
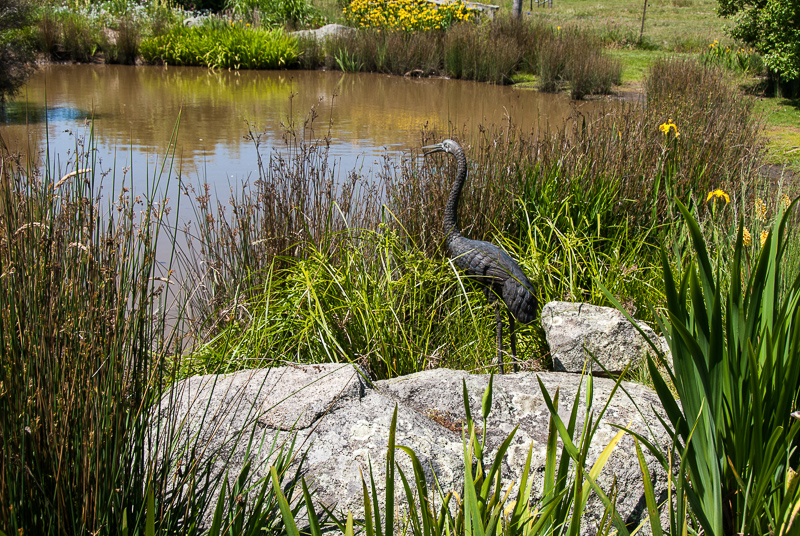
<point x="23" y="113"/>
<point x="135" y="110"/>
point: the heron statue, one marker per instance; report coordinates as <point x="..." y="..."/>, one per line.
<point x="491" y="267"/>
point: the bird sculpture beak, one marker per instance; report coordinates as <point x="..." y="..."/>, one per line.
<point x="430" y="149"/>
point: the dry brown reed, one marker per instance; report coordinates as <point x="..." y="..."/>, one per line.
<point x="387" y="51"/>
<point x="489" y="52"/>
<point x="620" y="151"/>
<point x="300" y="202"/>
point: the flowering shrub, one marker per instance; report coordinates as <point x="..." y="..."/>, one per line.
<point x="746" y="61"/>
<point x="410" y="15"/>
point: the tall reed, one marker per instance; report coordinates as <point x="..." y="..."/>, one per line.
<point x="577" y="206"/>
<point x="488" y="52"/>
<point x="83" y="337"/>
<point x="90" y="328"/>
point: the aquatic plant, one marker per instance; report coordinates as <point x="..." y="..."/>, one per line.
<point x="234" y="46"/>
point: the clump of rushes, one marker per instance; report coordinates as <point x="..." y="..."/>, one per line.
<point x="568" y="205"/>
<point x="573" y="58"/>
<point x="408" y="15"/>
<point x="83" y="339"/>
<point x="234" y="46"/>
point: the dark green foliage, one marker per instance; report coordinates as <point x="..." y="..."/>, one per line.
<point x="16" y="56"/>
<point x="772" y="27"/>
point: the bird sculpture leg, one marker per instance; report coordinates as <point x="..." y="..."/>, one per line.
<point x="499" y="319"/>
<point x="513" y="334"/>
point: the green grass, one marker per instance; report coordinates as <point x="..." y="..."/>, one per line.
<point x="636" y="63"/>
<point x="677" y="25"/>
<point x="783" y="129"/>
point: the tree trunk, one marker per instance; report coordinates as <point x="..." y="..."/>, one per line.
<point x="517" y="9"/>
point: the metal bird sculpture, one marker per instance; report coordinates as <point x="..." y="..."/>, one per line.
<point x="484" y="262"/>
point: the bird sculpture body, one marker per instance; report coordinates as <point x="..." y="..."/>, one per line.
<point x="484" y="262"/>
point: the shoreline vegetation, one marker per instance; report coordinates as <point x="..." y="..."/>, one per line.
<point x="570" y="47"/>
<point x="660" y="210"/>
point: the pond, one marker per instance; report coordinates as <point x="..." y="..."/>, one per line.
<point x="134" y="111"/>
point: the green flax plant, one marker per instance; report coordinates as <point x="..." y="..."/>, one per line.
<point x="736" y="374"/>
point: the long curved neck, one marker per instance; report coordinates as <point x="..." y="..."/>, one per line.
<point x="451" y="229"/>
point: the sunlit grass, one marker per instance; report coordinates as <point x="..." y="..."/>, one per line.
<point x="672" y="25"/>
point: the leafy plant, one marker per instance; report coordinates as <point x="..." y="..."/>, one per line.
<point x="233" y="46"/>
<point x="347" y="63"/>
<point x="737" y="376"/>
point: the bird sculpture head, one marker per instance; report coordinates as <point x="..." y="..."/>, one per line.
<point x="447" y="146"/>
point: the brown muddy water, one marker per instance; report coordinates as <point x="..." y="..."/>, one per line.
<point x="134" y="113"/>
<point x="135" y="110"/>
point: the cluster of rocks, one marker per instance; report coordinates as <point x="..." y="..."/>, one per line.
<point x="341" y="418"/>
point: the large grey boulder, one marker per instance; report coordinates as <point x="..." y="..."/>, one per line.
<point x="518" y="400"/>
<point x="576" y="330"/>
<point x="342" y="420"/>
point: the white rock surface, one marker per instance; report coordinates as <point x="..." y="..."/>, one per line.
<point x="342" y="420"/>
<point x="576" y="330"/>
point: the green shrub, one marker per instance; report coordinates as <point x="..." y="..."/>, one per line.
<point x="234" y="46"/>
<point x="292" y="14"/>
